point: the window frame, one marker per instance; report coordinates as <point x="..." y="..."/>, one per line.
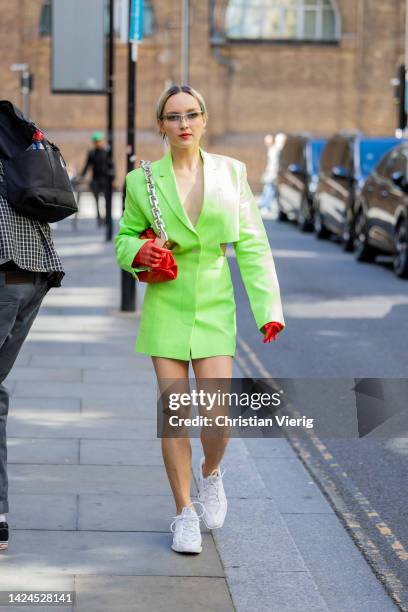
<point x="300" y="39"/>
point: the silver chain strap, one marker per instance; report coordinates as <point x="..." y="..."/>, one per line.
<point x="153" y="200"/>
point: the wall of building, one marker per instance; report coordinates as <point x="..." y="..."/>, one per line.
<point x="250" y="88"/>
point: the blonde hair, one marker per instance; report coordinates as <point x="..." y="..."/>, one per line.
<point x="175" y="89"/>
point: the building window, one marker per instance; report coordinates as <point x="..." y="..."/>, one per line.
<point x="148" y="18"/>
<point x="45" y="19"/>
<point x="314" y="20"/>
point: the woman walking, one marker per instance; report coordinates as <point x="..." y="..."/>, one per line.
<point x="205" y="202"/>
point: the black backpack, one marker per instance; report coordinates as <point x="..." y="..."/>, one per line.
<point x="36" y="183"/>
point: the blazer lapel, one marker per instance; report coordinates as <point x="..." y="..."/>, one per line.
<point x="211" y="188"/>
<point x="166" y="182"/>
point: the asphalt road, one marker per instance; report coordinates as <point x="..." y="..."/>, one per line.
<point x="345" y="320"/>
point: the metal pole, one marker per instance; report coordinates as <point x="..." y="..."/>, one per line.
<point x="128" y="301"/>
<point x="110" y="121"/>
<point x="402" y="115"/>
<point x="185" y="42"/>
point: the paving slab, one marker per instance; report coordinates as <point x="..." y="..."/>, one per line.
<point x="42" y="450"/>
<point x="34" y="407"/>
<point x="121" y="408"/>
<point x="269" y="546"/>
<point x="50" y="347"/>
<point x="131" y="362"/>
<point x="277" y="592"/>
<point x="291" y="486"/>
<point x="118" y="349"/>
<point x="128" y="376"/>
<point x="125" y="512"/>
<point x="121" y="452"/>
<point x="152" y="594"/>
<point x="80" y="426"/>
<point x="43" y="511"/>
<point x="45" y="374"/>
<point x="98" y="552"/>
<point x="79" y="479"/>
<point x="75" y="390"/>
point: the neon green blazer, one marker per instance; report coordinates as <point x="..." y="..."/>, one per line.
<point x="195" y="315"/>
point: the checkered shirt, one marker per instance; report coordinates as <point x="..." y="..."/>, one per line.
<point x="28" y="242"/>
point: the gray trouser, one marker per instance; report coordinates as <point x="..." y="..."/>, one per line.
<point x="19" y="304"/>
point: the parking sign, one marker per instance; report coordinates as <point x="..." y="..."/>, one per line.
<point x="136" y="21"/>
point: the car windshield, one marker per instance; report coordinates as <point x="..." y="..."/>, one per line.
<point x="371" y="151"/>
<point x="317" y="147"/>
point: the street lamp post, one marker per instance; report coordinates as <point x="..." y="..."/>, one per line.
<point x="110" y="121"/>
<point x="128" y="285"/>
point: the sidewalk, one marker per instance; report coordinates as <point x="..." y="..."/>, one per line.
<point x="90" y="504"/>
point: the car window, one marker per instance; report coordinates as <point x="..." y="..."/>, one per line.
<point x="382" y="164"/>
<point x="396" y="162"/>
<point x="332" y="154"/>
<point x="345" y="159"/>
<point x="371" y="151"/>
<point x="292" y="153"/>
<point x="317" y="148"/>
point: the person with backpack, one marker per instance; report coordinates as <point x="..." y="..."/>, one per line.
<point x="98" y="161"/>
<point x="34" y="190"/>
<point x="29" y="267"/>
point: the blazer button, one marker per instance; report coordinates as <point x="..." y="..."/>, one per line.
<point x="194" y="250"/>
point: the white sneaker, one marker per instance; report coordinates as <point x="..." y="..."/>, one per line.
<point x="186" y="529"/>
<point x="211" y="493"/>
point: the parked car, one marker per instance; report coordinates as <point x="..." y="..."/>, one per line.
<point x="297" y="179"/>
<point x="346" y="161"/>
<point x="381" y="212"/>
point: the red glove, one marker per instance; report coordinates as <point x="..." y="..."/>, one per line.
<point x="152" y="256"/>
<point x="272" y="329"/>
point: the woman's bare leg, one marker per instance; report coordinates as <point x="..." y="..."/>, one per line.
<point x="176" y="451"/>
<point x="214" y="447"/>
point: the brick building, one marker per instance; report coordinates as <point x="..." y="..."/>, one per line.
<point x="262" y="65"/>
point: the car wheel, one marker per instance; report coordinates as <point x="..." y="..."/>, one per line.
<point x="362" y="249"/>
<point x="400" y="261"/>
<point x="320" y="229"/>
<point x="347" y="237"/>
<point x="303" y="220"/>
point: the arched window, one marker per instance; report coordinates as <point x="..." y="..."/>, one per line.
<point x="282" y="20"/>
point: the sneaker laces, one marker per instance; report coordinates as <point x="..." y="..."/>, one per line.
<point x="189" y="520"/>
<point x="211" y="485"/>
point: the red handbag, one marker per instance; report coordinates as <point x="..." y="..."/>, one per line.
<point x="167" y="270"/>
<point x="168" y="267"/>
